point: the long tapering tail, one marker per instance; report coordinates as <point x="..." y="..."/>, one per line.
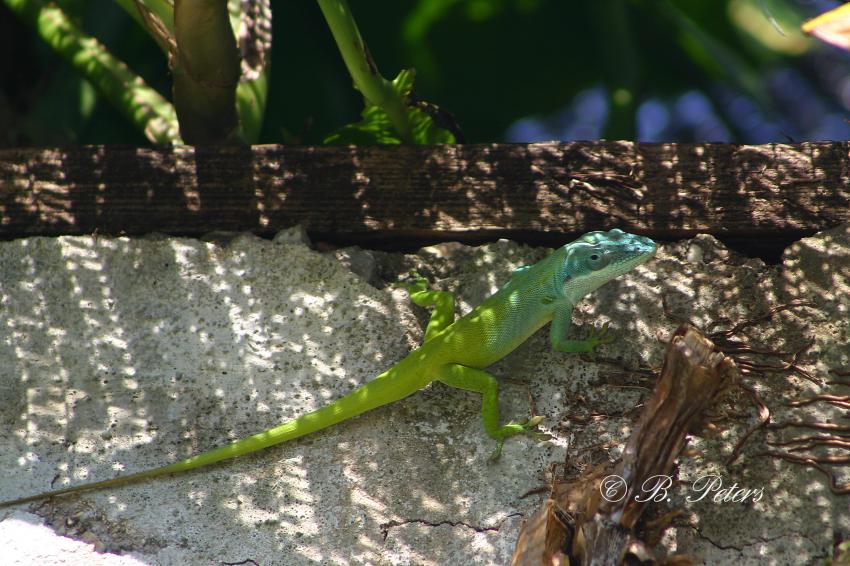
<point x="392" y="385"/>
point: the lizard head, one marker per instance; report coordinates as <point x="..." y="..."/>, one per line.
<point x="598" y="257"/>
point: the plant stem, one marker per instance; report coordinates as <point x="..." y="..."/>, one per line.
<point x="159" y="22"/>
<point x="375" y="88"/>
<point x="205" y="72"/>
<point x="142" y="105"/>
<point x="255" y="45"/>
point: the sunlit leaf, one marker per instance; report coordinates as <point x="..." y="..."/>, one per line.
<point x="777" y="30"/>
<point x="833" y="27"/>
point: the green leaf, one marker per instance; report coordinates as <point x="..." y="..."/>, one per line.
<point x="375" y="128"/>
<point x="403" y="83"/>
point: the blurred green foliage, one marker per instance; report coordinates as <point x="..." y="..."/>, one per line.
<point x="488" y="62"/>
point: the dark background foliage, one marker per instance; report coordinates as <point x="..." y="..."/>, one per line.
<point x="508" y="70"/>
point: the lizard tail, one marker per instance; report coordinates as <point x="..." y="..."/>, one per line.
<point x="392" y="385"/>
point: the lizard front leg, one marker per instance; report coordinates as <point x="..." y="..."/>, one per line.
<point x="443" y="302"/>
<point x="558" y="332"/>
<point x="479" y="381"/>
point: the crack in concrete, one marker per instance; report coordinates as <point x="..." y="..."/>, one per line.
<point x="759" y="540"/>
<point x="385" y="527"/>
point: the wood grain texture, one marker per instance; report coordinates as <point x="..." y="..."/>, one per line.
<point x="666" y="190"/>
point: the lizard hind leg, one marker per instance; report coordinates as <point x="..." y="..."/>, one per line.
<point x="479" y="381"/>
<point x="443" y="302"/>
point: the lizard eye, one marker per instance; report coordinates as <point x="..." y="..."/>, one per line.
<point x="597" y="260"/>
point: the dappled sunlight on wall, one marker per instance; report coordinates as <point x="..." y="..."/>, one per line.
<point x="120" y="355"/>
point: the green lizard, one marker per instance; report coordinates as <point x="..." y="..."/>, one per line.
<point x="455" y="352"/>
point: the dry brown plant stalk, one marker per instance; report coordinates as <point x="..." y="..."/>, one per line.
<point x="579" y="526"/>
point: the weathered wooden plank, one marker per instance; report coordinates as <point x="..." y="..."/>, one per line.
<point x="666" y="190"/>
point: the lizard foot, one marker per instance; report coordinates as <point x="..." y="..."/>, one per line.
<point x="527" y="428"/>
<point x="596" y="338"/>
<point x="418" y="282"/>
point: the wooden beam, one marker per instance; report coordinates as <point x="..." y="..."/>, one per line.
<point x="663" y="190"/>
